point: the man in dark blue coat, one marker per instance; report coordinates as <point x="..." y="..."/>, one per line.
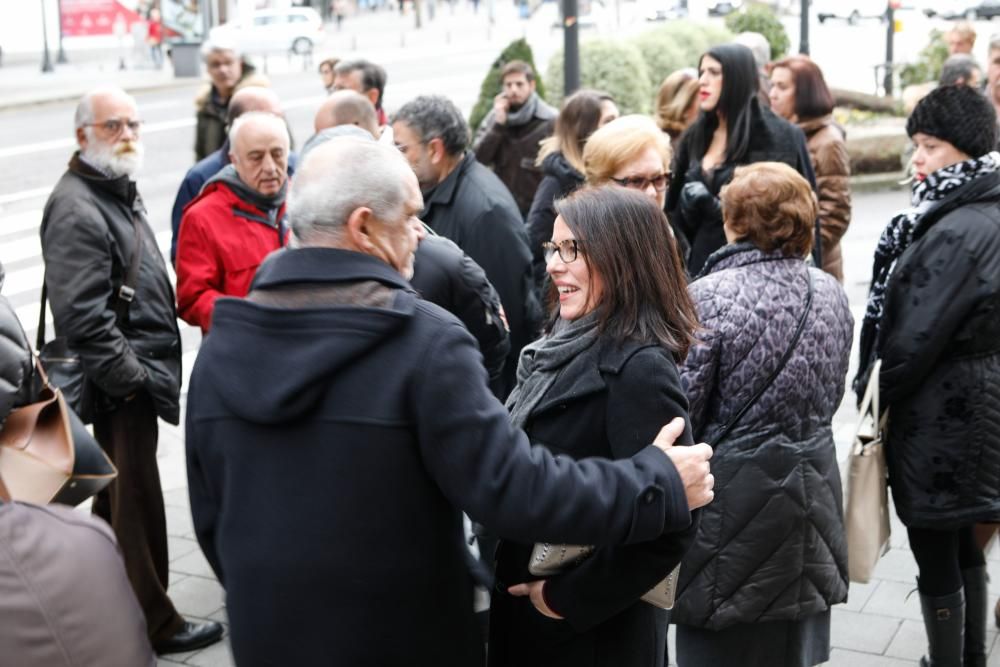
<point x="338" y="425"/>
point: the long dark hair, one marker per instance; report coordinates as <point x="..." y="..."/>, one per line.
<point x="738" y="103"/>
<point x="625" y="239"/>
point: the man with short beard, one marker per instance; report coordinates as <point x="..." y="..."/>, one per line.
<point x="93" y="225"/>
<point x="507" y="140"/>
<point x="236" y="221"/>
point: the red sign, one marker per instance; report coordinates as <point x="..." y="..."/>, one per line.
<point x="97" y="17"/>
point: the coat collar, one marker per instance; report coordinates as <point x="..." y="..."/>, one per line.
<point x="444" y="192"/>
<point x="584" y="375"/>
<point x="122" y="187"/>
<point x="298" y="266"/>
<point x="743" y="253"/>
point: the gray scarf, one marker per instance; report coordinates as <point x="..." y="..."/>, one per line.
<point x="523" y="115"/>
<point x="542" y="361"/>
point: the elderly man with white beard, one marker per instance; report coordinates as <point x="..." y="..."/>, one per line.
<point x="112" y="300"/>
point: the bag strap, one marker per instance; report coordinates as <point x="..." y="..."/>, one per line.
<point x="126" y="293"/>
<point x="777" y="369"/>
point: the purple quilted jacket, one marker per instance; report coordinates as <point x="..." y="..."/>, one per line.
<point x="771" y="546"/>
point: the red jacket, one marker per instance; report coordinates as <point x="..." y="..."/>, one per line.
<point x="223" y="239"/>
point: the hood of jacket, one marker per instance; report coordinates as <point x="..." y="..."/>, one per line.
<point x="228" y="176"/>
<point x="558" y="167"/>
<point x="275" y="361"/>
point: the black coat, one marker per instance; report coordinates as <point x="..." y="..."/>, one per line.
<point x="473" y="208"/>
<point x="772" y="139"/>
<point x="15" y="359"/>
<point x="331" y="450"/>
<point x="445" y="275"/>
<point x="939" y="341"/>
<point x="88" y="241"/>
<point x="607" y="402"/>
<point x="560" y="180"/>
<point x="771" y="545"/>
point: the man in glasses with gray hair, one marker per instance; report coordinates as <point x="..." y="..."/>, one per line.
<point x="112" y="300"/>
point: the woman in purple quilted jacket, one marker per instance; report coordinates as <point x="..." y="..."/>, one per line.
<point x="764" y="381"/>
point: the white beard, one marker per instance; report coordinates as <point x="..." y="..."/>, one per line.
<point x="112" y="159"/>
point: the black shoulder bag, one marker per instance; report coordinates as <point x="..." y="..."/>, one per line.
<point x="62" y="364"/>
<point x="777" y="370"/>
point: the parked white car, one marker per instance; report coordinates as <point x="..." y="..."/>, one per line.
<point x="299" y="30"/>
<point x="851" y="11"/>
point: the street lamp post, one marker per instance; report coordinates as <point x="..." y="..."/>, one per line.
<point x="890" y="20"/>
<point x="46" y="60"/>
<point x="804" y="28"/>
<point x="571" y="47"/>
<point x="61" y="55"/>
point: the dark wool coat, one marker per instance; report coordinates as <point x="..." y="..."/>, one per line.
<point x="560" y="180"/>
<point x="772" y="139"/>
<point x="771" y="545"/>
<point x="474" y="209"/>
<point x="607" y="402"/>
<point x="337" y="426"/>
<point x="88" y="241"/>
<point x="940" y="347"/>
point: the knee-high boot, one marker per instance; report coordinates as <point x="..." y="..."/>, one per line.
<point x="944" y="621"/>
<point x="976" y="605"/>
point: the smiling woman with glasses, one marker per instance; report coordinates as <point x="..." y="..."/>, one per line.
<point x="598" y="383"/>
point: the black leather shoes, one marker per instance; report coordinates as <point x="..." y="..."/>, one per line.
<point x="190" y="637"/>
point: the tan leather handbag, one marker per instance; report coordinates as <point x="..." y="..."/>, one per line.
<point x="47" y="455"/>
<point x="866" y="518"/>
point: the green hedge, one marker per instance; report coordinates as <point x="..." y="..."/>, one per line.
<point x="677" y="45"/>
<point x="516" y="50"/>
<point x="929" y="61"/>
<point x="615" y="67"/>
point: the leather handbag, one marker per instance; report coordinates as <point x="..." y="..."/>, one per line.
<point x="548" y="559"/>
<point x="866" y="516"/>
<point x="63" y="364"/>
<point x="47" y="455"/>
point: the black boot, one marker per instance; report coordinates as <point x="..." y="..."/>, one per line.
<point x="944" y="621"/>
<point x="976" y="604"/>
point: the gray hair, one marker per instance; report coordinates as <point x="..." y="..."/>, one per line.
<point x="433" y="117"/>
<point x="220" y="42"/>
<point x="758" y="45"/>
<point x="337" y="178"/>
<point x="255" y="117"/>
<point x="957" y="68"/>
<point x="84" y="114"/>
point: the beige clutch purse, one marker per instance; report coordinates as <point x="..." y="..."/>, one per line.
<point x="548" y="559"/>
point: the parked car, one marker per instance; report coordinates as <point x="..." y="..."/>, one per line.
<point x="667" y="12"/>
<point x="984" y="9"/>
<point x="724" y="7"/>
<point x="298" y="29"/>
<point x="850" y="11"/>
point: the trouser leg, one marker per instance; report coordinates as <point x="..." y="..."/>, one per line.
<point x="133" y="506"/>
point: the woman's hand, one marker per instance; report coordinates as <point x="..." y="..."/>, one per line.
<point x="533" y="589"/>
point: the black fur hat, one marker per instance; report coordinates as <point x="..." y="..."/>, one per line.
<point x="959" y="115"/>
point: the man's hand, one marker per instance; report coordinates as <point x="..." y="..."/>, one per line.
<point x="691" y="463"/>
<point x="533" y="590"/>
<point x="500" y="108"/>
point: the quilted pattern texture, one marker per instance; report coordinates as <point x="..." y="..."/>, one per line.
<point x="771" y="546"/>
<point x="940" y="349"/>
<point x="15" y="361"/>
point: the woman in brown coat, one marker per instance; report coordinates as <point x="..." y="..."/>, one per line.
<point x="799" y="94"/>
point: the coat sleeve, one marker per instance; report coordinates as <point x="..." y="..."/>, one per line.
<point x="203" y="498"/>
<point x="477" y="304"/>
<point x="486" y="467"/>
<point x="77" y="249"/>
<point x="189" y="189"/>
<point x="646" y="395"/>
<point x="833" y="188"/>
<point x="489" y="137"/>
<point x="701" y="367"/>
<point x="927" y="305"/>
<point x="199" y="273"/>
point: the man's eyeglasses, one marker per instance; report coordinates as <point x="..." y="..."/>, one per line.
<point x="660" y="182"/>
<point x="568" y="250"/>
<point x="116" y="125"/>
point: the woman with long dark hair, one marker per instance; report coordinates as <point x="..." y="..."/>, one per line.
<point x="561" y="159"/>
<point x="598" y="383"/>
<point x="933" y="318"/>
<point x="733" y="129"/>
<point x="799" y="95"/>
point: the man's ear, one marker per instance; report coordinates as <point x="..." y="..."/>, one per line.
<point x="436" y="148"/>
<point x="81" y="137"/>
<point x="359" y="229"/>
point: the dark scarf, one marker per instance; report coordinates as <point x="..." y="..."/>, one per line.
<point x="905" y="228"/>
<point x="524" y="114"/>
<point x="268" y="203"/>
<point x="541" y="362"/>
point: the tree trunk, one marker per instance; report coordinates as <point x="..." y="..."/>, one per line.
<point x="856" y="100"/>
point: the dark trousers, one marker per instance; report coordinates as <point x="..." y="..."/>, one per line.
<point x="941" y="556"/>
<point x="133" y="505"/>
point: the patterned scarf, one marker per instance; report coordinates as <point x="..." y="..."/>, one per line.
<point x="904" y="228"/>
<point x="541" y="361"/>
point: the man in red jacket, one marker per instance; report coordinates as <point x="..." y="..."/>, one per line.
<point x="236" y="220"/>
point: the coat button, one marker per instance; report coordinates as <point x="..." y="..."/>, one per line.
<point x="649" y="497"/>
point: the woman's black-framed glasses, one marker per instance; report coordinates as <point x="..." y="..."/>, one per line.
<point x="568" y="250"/>
<point x="660" y="182"/>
